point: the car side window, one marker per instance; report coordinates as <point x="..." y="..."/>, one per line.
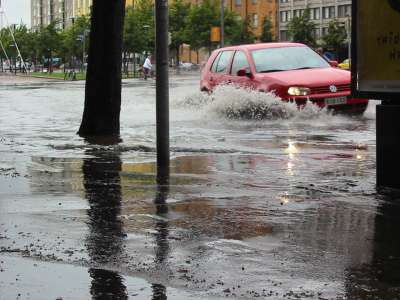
<point x="223" y="62"/>
<point x="215" y="63"/>
<point x="239" y="62"/>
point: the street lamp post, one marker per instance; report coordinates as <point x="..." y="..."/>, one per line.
<point x="82" y="38"/>
<point x="162" y="91"/>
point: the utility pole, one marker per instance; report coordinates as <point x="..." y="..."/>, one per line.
<point x="222" y="24"/>
<point x="162" y="91"/>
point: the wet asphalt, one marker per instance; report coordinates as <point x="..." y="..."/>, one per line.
<point x="282" y="205"/>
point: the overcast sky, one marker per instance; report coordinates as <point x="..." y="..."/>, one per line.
<point x="17" y="11"/>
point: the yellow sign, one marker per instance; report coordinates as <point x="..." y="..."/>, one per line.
<point x="215" y="34"/>
<point x="378" y="45"/>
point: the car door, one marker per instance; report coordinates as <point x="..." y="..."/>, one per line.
<point x="241" y="62"/>
<point x="220" y="67"/>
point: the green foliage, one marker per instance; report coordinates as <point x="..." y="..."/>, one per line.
<point x="139" y="31"/>
<point x="266" y="35"/>
<point x="72" y="43"/>
<point x="238" y="31"/>
<point x="49" y="41"/>
<point x="206" y="15"/>
<point x="188" y="24"/>
<point x="336" y="36"/>
<point x="26" y="41"/>
<point x="6" y="40"/>
<point x="178" y="23"/>
<point x="201" y="18"/>
<point x="301" y="29"/>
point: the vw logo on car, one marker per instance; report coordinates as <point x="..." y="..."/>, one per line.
<point x="333" y="88"/>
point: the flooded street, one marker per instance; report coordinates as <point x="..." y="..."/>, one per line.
<point x="264" y="202"/>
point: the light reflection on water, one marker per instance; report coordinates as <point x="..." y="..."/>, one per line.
<point x="292" y="200"/>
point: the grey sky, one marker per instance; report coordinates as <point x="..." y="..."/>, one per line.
<point x="17" y="11"/>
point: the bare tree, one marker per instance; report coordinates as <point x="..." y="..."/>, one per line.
<point x="101" y="115"/>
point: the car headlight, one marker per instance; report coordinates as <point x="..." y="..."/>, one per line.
<point x="298" y="91"/>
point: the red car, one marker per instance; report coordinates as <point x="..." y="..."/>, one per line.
<point x="292" y="71"/>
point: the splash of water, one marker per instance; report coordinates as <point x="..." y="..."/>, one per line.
<point x="237" y="103"/>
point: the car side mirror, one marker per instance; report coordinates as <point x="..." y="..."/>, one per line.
<point x="244" y="72"/>
<point x="333" y="63"/>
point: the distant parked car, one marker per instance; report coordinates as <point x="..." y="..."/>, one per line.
<point x="188" y="66"/>
<point x="292" y="71"/>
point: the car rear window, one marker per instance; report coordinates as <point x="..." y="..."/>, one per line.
<point x="286" y="58"/>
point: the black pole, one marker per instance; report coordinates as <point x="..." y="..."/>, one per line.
<point x="387" y="144"/>
<point x="162" y="87"/>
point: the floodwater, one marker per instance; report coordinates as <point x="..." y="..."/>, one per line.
<point x="278" y="204"/>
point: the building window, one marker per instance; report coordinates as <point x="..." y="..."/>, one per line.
<point x="285" y="16"/>
<point x="284" y="1"/>
<point x="298" y="13"/>
<point x="315" y="33"/>
<point x="344" y="11"/>
<point x="328" y="12"/>
<point x="255" y="20"/>
<point x="324" y="31"/>
<point x="238" y="2"/>
<point x="254" y="1"/>
<point x="315" y="13"/>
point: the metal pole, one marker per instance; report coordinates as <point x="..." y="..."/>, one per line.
<point x="162" y="87"/>
<point x="349" y="36"/>
<point x="222" y="24"/>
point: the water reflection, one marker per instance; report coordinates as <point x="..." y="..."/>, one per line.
<point x="102" y="184"/>
<point x="380" y="279"/>
<point x="162" y="247"/>
<point x="107" y="285"/>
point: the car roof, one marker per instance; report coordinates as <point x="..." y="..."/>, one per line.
<point x="262" y="46"/>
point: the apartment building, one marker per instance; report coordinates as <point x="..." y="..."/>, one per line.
<point x="321" y="13"/>
<point x="82" y="7"/>
<point x="43" y="12"/>
<point x="256" y="11"/>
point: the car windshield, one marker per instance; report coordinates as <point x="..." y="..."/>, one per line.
<point x="287" y="58"/>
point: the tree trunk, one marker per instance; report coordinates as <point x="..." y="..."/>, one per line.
<point x="134" y="64"/>
<point x="177" y="56"/>
<point x="51" y="63"/>
<point x="124" y="62"/>
<point x="101" y="114"/>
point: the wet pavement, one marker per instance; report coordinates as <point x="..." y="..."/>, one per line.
<point x="279" y="205"/>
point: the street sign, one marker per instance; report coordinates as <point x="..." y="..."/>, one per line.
<point x="376" y="48"/>
<point x="215" y="35"/>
